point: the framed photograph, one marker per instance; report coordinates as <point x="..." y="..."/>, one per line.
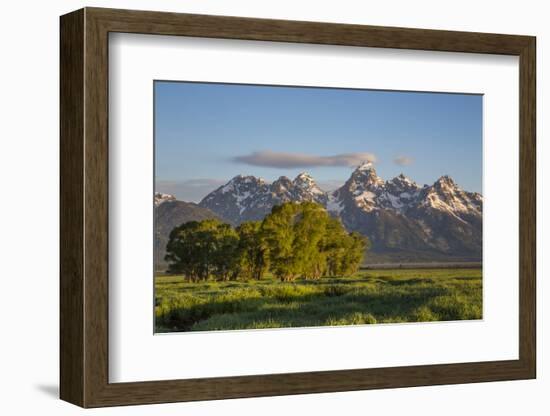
<point x="254" y="207"/>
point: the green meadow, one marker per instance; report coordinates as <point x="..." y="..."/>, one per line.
<point x="366" y="297"/>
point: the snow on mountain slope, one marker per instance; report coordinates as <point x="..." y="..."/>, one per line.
<point x="161" y="198"/>
<point x="366" y="191"/>
<point x="247" y="198"/>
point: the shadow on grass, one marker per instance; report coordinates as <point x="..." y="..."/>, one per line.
<point x="334" y="303"/>
<point x="335" y="281"/>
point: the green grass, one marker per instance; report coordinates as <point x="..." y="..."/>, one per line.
<point x="368" y="297"/>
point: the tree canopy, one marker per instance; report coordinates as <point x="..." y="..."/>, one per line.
<point x="294" y="240"/>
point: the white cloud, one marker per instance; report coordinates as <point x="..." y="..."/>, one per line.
<point x="301" y="160"/>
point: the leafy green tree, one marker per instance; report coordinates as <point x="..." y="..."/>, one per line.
<point x="188" y="251"/>
<point x="201" y="249"/>
<point x="278" y="228"/>
<point x="344" y="252"/>
<point x="225" y="258"/>
<point x="252" y="250"/>
<point x="303" y="240"/>
<point x="309" y="232"/>
<point x="356" y="245"/>
<point x="295" y="240"/>
<point x="334" y="247"/>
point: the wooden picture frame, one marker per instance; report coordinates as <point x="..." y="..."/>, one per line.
<point x="84" y="207"/>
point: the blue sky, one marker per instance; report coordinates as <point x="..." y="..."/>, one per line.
<point x="205" y="134"/>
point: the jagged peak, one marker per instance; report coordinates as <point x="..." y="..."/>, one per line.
<point x="365" y="174"/>
<point x="239" y="181"/>
<point x="245" y="179"/>
<point x="365" y="169"/>
<point x="446" y="179"/>
<point x="162" y="197"/>
<point x="284" y="179"/>
<point x="305" y="183"/>
<point x="303" y="175"/>
<point x="236" y="184"/>
<point x="446" y="184"/>
<point x="282" y="183"/>
<point x="304" y="179"/>
<point x="402" y="185"/>
<point x="401" y="178"/>
<point x="364" y="166"/>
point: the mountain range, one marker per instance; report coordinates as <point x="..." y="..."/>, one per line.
<point x="404" y="221"/>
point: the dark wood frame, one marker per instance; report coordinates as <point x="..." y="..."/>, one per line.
<point x="84" y="208"/>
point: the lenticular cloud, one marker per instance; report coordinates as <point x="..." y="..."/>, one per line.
<point x="300" y="160"/>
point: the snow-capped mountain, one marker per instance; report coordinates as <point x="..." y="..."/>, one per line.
<point x="405" y="219"/>
<point x="397" y="215"/>
<point x="368" y="192"/>
<point x="247" y="198"/>
<point x="161" y="198"/>
<point x="445" y="195"/>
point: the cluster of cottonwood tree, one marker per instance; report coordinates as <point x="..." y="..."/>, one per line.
<point x="295" y="240"/>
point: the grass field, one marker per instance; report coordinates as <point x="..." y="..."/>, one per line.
<point x="368" y="297"/>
